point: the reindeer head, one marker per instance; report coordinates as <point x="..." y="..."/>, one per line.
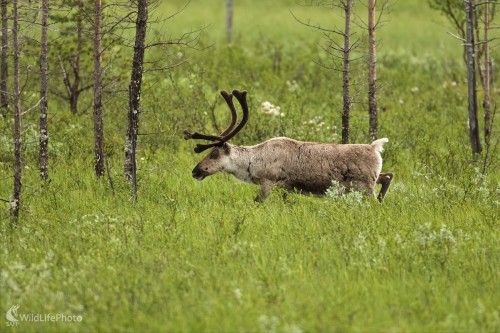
<point x="218" y="158"/>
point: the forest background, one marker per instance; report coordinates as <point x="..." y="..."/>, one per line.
<point x="191" y="256"/>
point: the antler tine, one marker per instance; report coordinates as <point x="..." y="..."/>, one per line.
<point x="229" y="132"/>
<point x="189" y="135"/>
<point x="229" y="100"/>
<point x="241" y="96"/>
<point x="201" y="148"/>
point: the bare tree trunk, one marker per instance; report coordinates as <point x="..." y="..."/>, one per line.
<point x="229" y="20"/>
<point x="345" y="72"/>
<point x="471" y="79"/>
<point x="98" y="123"/>
<point x="16" y="198"/>
<point x="487" y="76"/>
<point x="73" y="99"/>
<point x="73" y="89"/>
<point x="4" y="96"/>
<point x="372" y="72"/>
<point x="135" y="94"/>
<point x="478" y="44"/>
<point x="44" y="74"/>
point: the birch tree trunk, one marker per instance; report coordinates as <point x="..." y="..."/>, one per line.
<point x="73" y="88"/>
<point x="98" y="122"/>
<point x="347" y="5"/>
<point x="43" y="156"/>
<point x="135" y="95"/>
<point x="372" y="72"/>
<point x="16" y="198"/>
<point x="471" y="79"/>
<point x="487" y="76"/>
<point x="4" y="96"/>
<point x="229" y="20"/>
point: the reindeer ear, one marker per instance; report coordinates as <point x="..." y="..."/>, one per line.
<point x="226" y="148"/>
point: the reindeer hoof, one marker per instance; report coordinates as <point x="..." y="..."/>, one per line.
<point x="258" y="199"/>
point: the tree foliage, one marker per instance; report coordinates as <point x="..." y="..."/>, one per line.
<point x="453" y="10"/>
<point x="472" y="20"/>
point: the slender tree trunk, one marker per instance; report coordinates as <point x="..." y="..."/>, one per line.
<point x="16" y="198"/>
<point x="4" y="96"/>
<point x="471" y="79"/>
<point x="372" y="72"/>
<point x="345" y="72"/>
<point x="479" y="51"/>
<point x="74" y="88"/>
<point x="229" y="20"/>
<point x="44" y="75"/>
<point x="73" y="100"/>
<point x="487" y="76"/>
<point x="135" y="94"/>
<point x="98" y="123"/>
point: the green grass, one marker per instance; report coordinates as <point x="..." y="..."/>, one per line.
<point x="203" y="257"/>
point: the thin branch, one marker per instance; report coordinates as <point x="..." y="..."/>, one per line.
<point x="155" y="69"/>
<point x="34" y="106"/>
<point x="317" y="27"/>
<point x="457" y="37"/>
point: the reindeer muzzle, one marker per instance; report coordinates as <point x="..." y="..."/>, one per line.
<point x="198" y="173"/>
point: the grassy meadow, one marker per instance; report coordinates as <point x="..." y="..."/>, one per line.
<point x="202" y="256"/>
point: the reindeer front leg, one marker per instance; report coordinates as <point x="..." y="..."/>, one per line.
<point x="266" y="187"/>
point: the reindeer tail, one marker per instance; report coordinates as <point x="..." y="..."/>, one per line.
<point x="378" y="144"/>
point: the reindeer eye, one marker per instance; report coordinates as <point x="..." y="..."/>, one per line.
<point x="214" y="154"/>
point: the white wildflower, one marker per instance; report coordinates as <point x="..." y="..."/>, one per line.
<point x="237" y="293"/>
<point x="273" y="110"/>
<point x="292" y="328"/>
<point x="316" y="121"/>
<point x="268" y="324"/>
<point x="292" y="85"/>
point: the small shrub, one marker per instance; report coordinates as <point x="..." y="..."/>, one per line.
<point x="337" y="192"/>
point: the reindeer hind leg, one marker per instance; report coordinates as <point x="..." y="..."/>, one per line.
<point x="385" y="180"/>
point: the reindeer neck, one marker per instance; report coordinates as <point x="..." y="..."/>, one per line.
<point x="240" y="158"/>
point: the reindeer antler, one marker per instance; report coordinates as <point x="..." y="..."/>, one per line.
<point x="229" y="101"/>
<point x="241" y="96"/>
<point x="230" y="131"/>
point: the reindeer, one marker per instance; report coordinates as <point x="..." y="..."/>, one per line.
<point x="306" y="167"/>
